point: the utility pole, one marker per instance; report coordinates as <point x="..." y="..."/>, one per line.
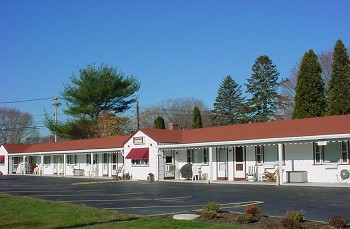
<point x="137" y="114"/>
<point x="56" y="104"/>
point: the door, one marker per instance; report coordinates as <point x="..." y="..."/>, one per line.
<point x="105" y="164"/>
<point x="239" y="163"/>
<point x="169" y="165"/>
<point x="55" y="164"/>
<point x="222" y="163"/>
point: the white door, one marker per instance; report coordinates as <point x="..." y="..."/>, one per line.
<point x="239" y="164"/>
<point x="55" y="164"/>
<point x="222" y="163"/>
<point x="105" y="164"/>
<point x="169" y="165"/>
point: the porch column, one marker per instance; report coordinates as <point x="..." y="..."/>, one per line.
<point x="41" y="165"/>
<point x="211" y="164"/>
<point x="280" y="163"/>
<point x="64" y="164"/>
<point x="92" y="164"/>
<point x="24" y="165"/>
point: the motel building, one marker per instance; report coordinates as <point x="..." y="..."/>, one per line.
<point x="301" y="150"/>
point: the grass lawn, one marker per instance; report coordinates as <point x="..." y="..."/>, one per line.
<point x="26" y="212"/>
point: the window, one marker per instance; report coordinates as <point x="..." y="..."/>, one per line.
<point x="345" y="152"/>
<point x="88" y="159"/>
<point x="72" y="159"/>
<point x="197" y="156"/>
<point x="139" y="162"/>
<point x="2" y="159"/>
<point x="259" y="154"/>
<point x="138" y="140"/>
<point x="268" y="154"/>
<point x="47" y="160"/>
<point x="105" y="158"/>
<point x="331" y="152"/>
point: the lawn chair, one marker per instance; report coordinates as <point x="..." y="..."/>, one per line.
<point x="271" y="176"/>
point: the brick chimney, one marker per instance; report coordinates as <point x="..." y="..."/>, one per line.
<point x="173" y="126"/>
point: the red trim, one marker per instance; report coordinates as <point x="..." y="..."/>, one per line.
<point x="240" y="179"/>
<point x="222" y="178"/>
<point x="169" y="178"/>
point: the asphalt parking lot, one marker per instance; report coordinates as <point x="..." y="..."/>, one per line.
<point x="154" y="198"/>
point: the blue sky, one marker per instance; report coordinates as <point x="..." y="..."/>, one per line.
<point x="176" y="49"/>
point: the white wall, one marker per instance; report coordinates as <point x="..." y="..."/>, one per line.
<point x="141" y="172"/>
<point x="4" y="168"/>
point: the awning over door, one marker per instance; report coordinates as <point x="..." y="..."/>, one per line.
<point x="2" y="158"/>
<point x="138" y="153"/>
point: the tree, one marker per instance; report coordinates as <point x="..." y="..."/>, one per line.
<point x="197" y="119"/>
<point x="228" y="105"/>
<point x="310" y="100"/>
<point x="339" y="85"/>
<point x="17" y="127"/>
<point x="96" y="90"/>
<point x="263" y="85"/>
<point x="109" y="124"/>
<point x="178" y="111"/>
<point x="159" y="123"/>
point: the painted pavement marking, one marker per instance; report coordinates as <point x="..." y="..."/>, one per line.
<point x="99" y="182"/>
<point x="227" y="205"/>
<point x="133" y="199"/>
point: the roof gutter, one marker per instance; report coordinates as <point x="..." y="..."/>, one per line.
<point x="289" y="140"/>
<point x="68" y="152"/>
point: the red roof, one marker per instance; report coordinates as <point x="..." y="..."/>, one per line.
<point x="84" y="144"/>
<point x="329" y="125"/>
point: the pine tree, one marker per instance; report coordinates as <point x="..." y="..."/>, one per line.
<point x="263" y="85"/>
<point x="228" y="106"/>
<point x="310" y="100"/>
<point x="197" y="119"/>
<point x="159" y="123"/>
<point x="339" y="85"/>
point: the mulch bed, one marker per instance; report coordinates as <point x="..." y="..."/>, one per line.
<point x="265" y="222"/>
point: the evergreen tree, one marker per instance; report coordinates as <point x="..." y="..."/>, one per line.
<point x="263" y="85"/>
<point x="159" y="123"/>
<point x="228" y="106"/>
<point x="94" y="91"/>
<point x="339" y="85"/>
<point x="197" y="119"/>
<point x="310" y="100"/>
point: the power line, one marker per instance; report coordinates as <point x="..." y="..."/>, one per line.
<point x="26" y="100"/>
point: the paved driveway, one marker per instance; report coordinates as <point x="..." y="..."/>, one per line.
<point x="152" y="198"/>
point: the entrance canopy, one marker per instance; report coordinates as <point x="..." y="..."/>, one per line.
<point x="138" y="153"/>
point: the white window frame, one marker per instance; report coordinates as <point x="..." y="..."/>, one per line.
<point x="140" y="162"/>
<point x="204" y="157"/>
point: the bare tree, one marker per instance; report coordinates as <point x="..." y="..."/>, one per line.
<point x="326" y="59"/>
<point x="16" y="126"/>
<point x="179" y="111"/>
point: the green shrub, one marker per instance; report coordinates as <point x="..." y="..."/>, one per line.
<point x="252" y="210"/>
<point x="337" y="221"/>
<point x="209" y="214"/>
<point x="290" y="223"/>
<point x="297" y="216"/>
<point x="245" y="219"/>
<point x="212" y="207"/>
